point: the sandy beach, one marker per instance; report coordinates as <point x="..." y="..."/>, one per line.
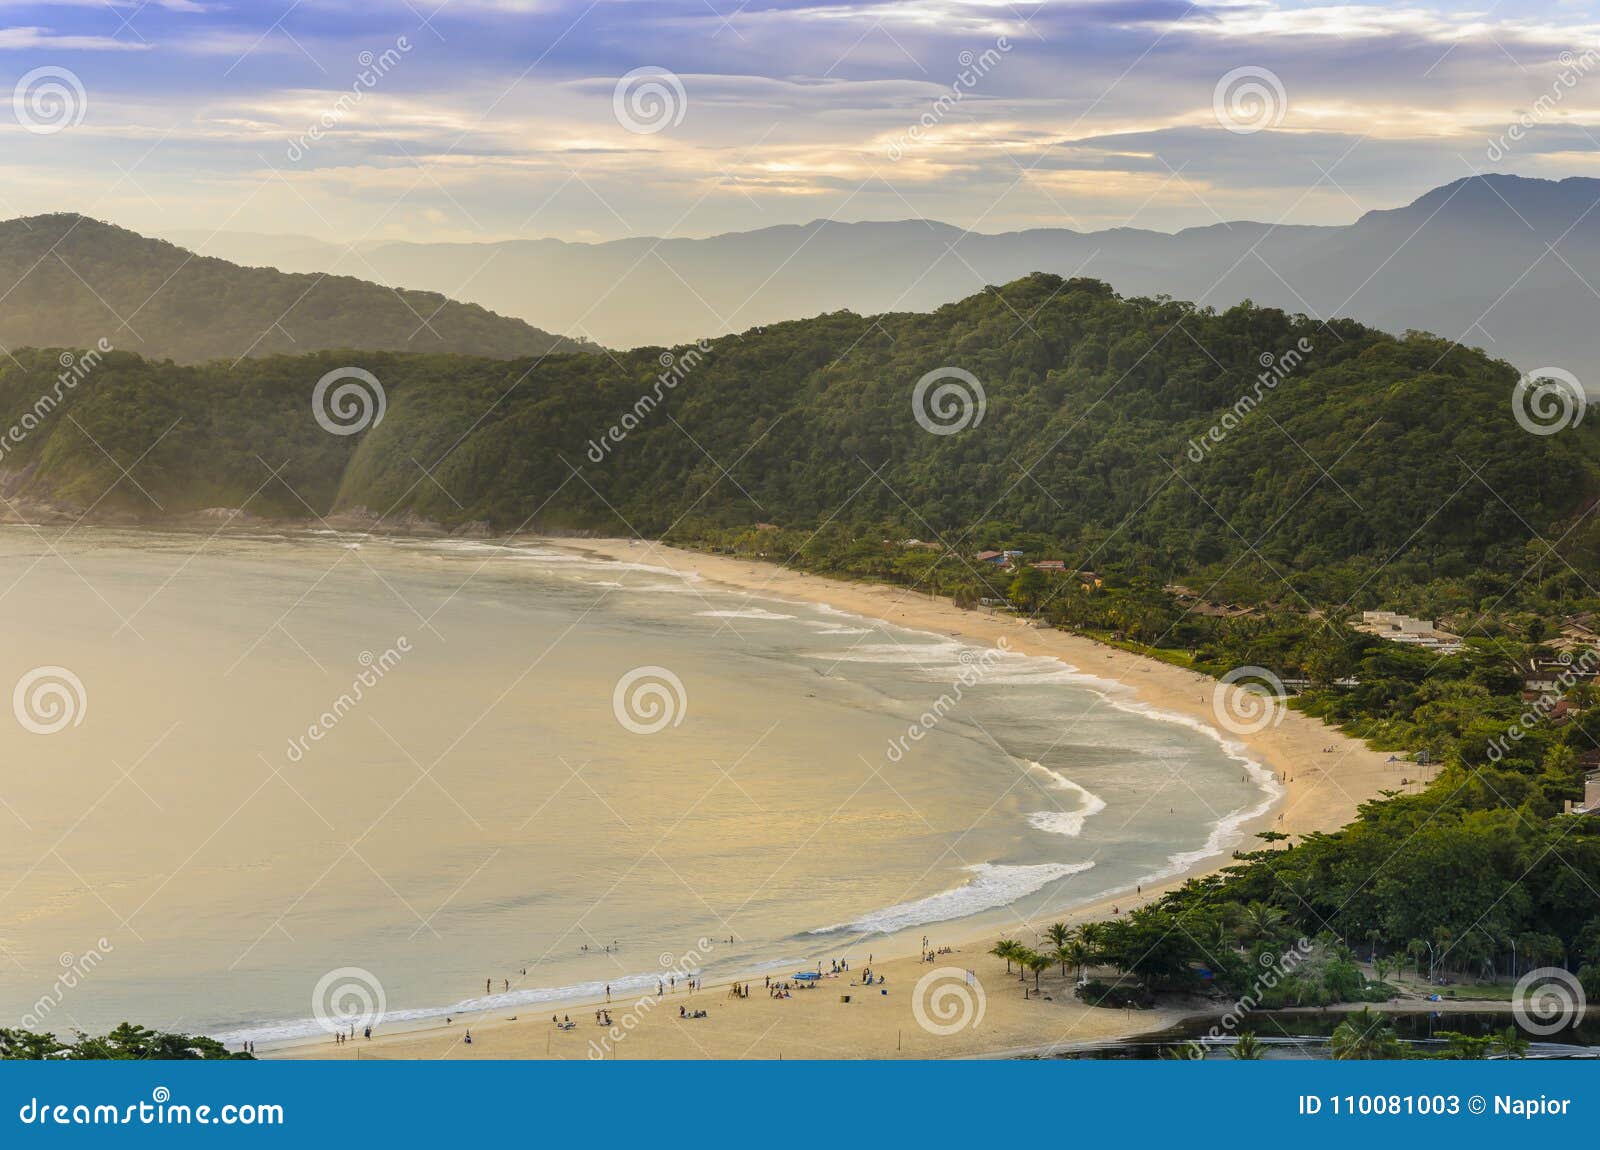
<point x="1326" y="776"/>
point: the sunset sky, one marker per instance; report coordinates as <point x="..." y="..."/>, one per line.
<point x="499" y="118"/>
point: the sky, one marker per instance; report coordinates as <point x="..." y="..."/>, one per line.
<point x="591" y="120"/>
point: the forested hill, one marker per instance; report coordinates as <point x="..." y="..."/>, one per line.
<point x="1370" y="449"/>
<point x="69" y="280"/>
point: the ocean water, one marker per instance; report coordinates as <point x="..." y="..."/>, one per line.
<point x="302" y="776"/>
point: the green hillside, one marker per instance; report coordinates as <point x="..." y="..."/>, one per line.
<point x="71" y="280"/>
<point x="1373" y="454"/>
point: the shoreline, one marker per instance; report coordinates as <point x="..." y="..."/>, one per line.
<point x="1319" y="791"/>
<point x="1323" y="788"/>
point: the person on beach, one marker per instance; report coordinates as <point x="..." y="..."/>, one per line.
<point x="508" y="985"/>
<point x="608" y="992"/>
<point x="488" y="985"/>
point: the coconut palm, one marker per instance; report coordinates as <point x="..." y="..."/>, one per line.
<point x="1260" y="921"/>
<point x="1038" y="963"/>
<point x="1366" y="1034"/>
<point x="1007" y="949"/>
<point x="1058" y="933"/>
<point x="1076" y="952"/>
<point x="1024" y="956"/>
<point x="1248" y="1048"/>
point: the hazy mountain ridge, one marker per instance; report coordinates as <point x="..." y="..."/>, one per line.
<point x="74" y="280"/>
<point x="1467" y="261"/>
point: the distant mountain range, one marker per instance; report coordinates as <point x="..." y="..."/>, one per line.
<point x="1505" y="263"/>
<point x="69" y="281"/>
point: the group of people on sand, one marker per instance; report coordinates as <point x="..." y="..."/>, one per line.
<point x="685" y="1012"/>
<point x="339" y="1037"/>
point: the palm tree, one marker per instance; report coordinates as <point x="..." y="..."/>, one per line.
<point x="1024" y="956"/>
<point x="1247" y="1048"/>
<point x="1416" y="948"/>
<point x="1260" y="921"/>
<point x="1364" y="1035"/>
<point x="1038" y="963"/>
<point x="1006" y="948"/>
<point x="1076" y="952"/>
<point x="1093" y="935"/>
<point x="1058" y="933"/>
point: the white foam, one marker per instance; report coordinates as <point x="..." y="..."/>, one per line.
<point x="836" y="629"/>
<point x="621" y="988"/>
<point x="1060" y="822"/>
<point x="744" y="613"/>
<point x="993" y="885"/>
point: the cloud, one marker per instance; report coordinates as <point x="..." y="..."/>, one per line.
<point x="24" y="38"/>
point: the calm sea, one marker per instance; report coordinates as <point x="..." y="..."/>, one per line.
<point x="250" y="782"/>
